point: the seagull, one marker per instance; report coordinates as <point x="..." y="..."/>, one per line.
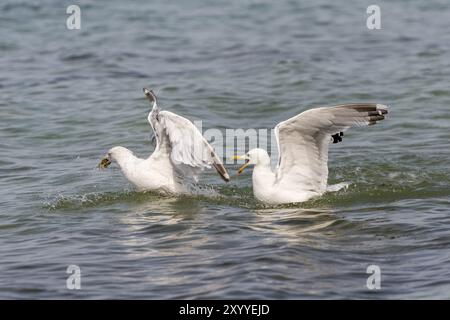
<point x="303" y="140"/>
<point x="181" y="152"/>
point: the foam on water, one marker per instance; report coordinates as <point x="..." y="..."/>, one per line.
<point x="68" y="96"/>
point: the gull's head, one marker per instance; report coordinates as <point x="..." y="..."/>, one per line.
<point x="150" y="95"/>
<point x="255" y="157"/>
<point x="116" y="153"/>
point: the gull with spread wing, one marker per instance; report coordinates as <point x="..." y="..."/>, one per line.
<point x="181" y="152"/>
<point x="303" y="140"/>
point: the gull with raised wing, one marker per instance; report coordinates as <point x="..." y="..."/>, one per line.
<point x="181" y="152"/>
<point x="303" y="140"/>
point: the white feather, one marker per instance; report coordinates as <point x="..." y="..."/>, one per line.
<point x="303" y="140"/>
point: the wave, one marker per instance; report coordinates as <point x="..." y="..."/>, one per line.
<point x="369" y="188"/>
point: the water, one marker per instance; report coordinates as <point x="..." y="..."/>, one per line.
<point x="68" y="96"/>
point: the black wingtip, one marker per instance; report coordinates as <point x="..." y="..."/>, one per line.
<point x="149" y="94"/>
<point x="337" y="137"/>
<point x="222" y="171"/>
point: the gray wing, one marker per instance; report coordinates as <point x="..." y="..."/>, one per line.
<point x="303" y="141"/>
<point x="188" y="150"/>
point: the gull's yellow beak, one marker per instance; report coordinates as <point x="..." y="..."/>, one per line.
<point x="247" y="162"/>
<point x="104" y="163"/>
